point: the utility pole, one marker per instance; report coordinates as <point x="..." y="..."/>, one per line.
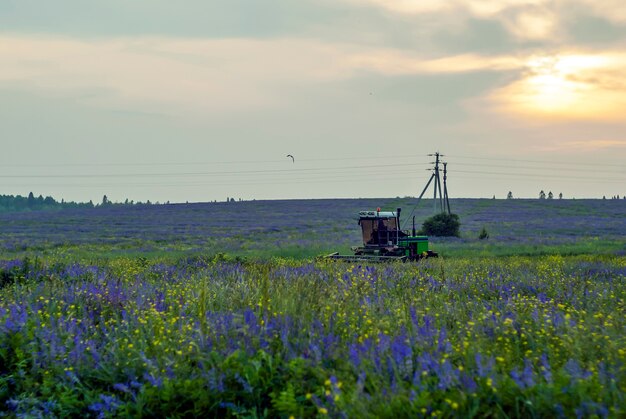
<point x="438" y="183"/>
<point x="436" y="176"/>
<point x="445" y="187"/>
<point x="437" y="179"/>
<point x="443" y="194"/>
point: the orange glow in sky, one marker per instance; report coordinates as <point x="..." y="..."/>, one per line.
<point x="568" y="86"/>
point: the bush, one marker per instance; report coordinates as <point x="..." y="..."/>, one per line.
<point x="442" y="225"/>
<point x="483" y="234"/>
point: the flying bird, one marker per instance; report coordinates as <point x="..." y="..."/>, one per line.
<point x="292" y="159"/>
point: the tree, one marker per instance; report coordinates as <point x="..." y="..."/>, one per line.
<point x="31" y="200"/>
<point x="105" y="200"/>
<point x="550" y="196"/>
<point x="560" y="195"/>
<point x="542" y="195"/>
<point x="509" y="195"/>
<point x="442" y="224"/>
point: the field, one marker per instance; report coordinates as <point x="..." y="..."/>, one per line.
<point x="223" y="310"/>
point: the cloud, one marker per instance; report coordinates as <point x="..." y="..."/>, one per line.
<point x="407" y="6"/>
<point x="568" y="86"/>
<point x="611" y="10"/>
<point x="180" y="75"/>
<point x="166" y="73"/>
<point x="532" y="24"/>
<point x="183" y="76"/>
<point x="527" y="20"/>
<point x="479" y="8"/>
<point x="396" y="62"/>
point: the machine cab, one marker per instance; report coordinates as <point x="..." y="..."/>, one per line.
<point x="380" y="228"/>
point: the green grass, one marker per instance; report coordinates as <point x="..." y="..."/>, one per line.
<point x="213" y="335"/>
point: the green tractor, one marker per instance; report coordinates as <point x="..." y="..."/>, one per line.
<point x="384" y="241"/>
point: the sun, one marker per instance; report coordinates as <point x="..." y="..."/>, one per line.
<point x="556" y="84"/>
<point x="567" y="86"/>
<point x="551" y="92"/>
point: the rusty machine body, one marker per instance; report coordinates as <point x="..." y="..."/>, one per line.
<point x="384" y="241"/>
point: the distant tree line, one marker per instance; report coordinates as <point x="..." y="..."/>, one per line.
<point x="542" y="195"/>
<point x="32" y="203"/>
<point x="106" y="202"/>
<point x="16" y="203"/>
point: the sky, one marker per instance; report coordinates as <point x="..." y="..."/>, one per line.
<point x="203" y="100"/>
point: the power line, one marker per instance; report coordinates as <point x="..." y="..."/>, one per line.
<point x="535" y="175"/>
<point x="207" y="163"/>
<point x="558" y="169"/>
<point x="352" y="158"/>
<point x="344" y="174"/>
<point x="326" y="175"/>
<point x="550" y="162"/>
<point x="312" y="171"/>
<point x="117" y="175"/>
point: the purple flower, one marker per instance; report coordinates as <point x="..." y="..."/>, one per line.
<point x="448" y="375"/>
<point x="546" y="371"/>
<point x="467" y="383"/>
<point x="244" y="383"/>
<point x="121" y="387"/>
<point x="524" y="379"/>
<point x="107" y="405"/>
<point x="572" y="367"/>
<point x="155" y="381"/>
<point x="484" y="368"/>
<point x="355" y="355"/>
<point x="588" y="409"/>
<point x="16" y="319"/>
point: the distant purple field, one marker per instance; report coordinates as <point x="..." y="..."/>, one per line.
<point x="246" y="226"/>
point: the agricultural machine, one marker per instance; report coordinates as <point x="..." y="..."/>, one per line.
<point x="383" y="240"/>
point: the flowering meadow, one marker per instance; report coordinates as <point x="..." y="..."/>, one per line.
<point x="306" y="228"/>
<point x="96" y="323"/>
